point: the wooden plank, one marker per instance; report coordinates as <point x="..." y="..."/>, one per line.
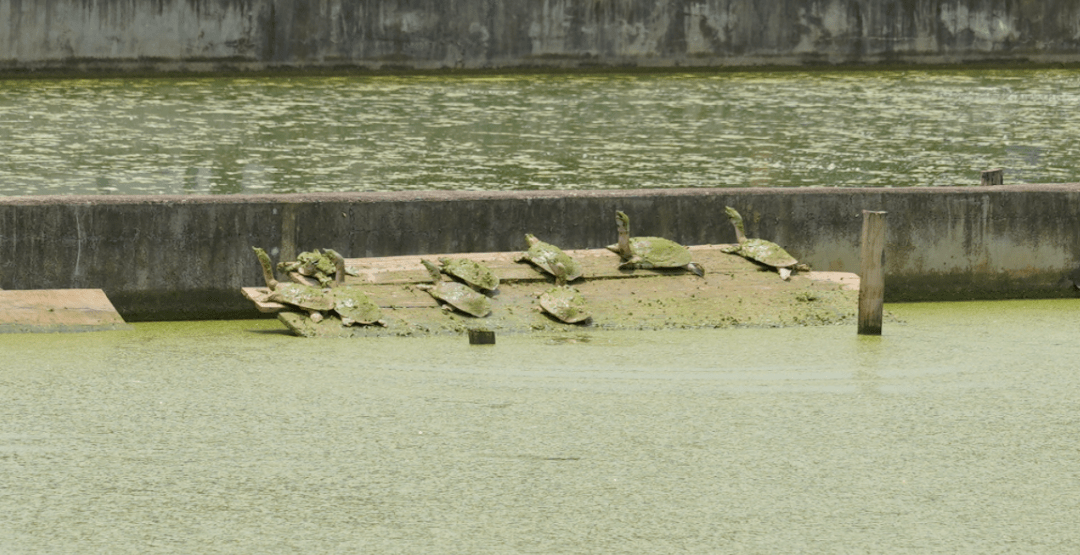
<point x="57" y="310"/>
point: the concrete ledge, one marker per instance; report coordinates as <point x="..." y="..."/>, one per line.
<point x="186" y="257"/>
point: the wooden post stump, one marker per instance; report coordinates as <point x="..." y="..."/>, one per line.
<point x="872" y="273"/>
<point x="481" y="337"/>
<point x="993" y="177"/>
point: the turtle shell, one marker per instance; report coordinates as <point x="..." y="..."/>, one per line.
<point x="355" y="307"/>
<point x="545" y="256"/>
<point x="470" y="272"/>
<point x="302" y="296"/>
<point x="767" y="253"/>
<point x="564" y="303"/>
<point x="657" y="252"/>
<point x="459" y="296"/>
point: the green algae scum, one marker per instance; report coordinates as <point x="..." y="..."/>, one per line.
<point x="946" y="434"/>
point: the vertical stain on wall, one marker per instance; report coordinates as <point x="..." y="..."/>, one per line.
<point x="483" y="33"/>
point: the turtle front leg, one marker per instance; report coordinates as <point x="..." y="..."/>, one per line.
<point x="631" y="263"/>
<point x="785" y="273"/>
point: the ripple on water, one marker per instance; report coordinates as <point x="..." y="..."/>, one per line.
<point x="228" y="135"/>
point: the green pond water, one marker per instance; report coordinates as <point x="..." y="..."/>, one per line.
<point x="233" y="135"/>
<point x="957" y="431"/>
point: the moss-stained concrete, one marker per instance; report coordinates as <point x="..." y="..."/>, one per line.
<point x="734" y="292"/>
<point x="184" y="257"/>
<point x="390" y="35"/>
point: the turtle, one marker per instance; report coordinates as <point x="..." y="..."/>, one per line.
<point x="351" y="304"/>
<point x="563" y="301"/>
<point x="313" y="264"/>
<point x="650" y="252"/>
<point x="761" y="251"/>
<point x="454" y="294"/>
<point x="473" y="273"/>
<point x="311" y="299"/>
<point x="545" y="256"/>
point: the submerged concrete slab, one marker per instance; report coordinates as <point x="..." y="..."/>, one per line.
<point x="733" y="293"/>
<point x="57" y="310"/>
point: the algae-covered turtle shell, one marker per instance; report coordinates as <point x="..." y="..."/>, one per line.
<point x="562" y="301"/>
<point x="306" y="297"/>
<point x="760" y="250"/>
<point x="565" y="303"/>
<point x="350" y="303"/>
<point x="471" y="272"/>
<point x="355" y="307"/>
<point x="545" y="256"/>
<point x="650" y="252"/>
<point x="454" y="294"/>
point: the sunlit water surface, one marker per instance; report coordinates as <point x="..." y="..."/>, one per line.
<point x="378" y="133"/>
<point x="955" y="432"/>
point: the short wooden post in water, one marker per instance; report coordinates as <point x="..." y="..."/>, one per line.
<point x="993" y="177"/>
<point x="481" y="337"/>
<point x="872" y="273"/>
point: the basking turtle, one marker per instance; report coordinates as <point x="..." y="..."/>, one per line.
<point x="454" y="294"/>
<point x="350" y="303"/>
<point x="761" y="251"/>
<point x="313" y="264"/>
<point x="650" y="252"/>
<point x="471" y="272"/>
<point x="545" y="256"/>
<point x="562" y="301"/>
<point x="310" y="299"/>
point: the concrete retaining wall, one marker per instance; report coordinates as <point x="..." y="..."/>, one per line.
<point x="216" y="35"/>
<point x="183" y="257"/>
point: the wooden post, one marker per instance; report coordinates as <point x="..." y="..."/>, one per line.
<point x="481" y="337"/>
<point x="993" y="177"/>
<point x="872" y="273"/>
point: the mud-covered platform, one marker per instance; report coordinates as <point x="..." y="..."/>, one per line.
<point x="57" y="311"/>
<point x="734" y="292"/>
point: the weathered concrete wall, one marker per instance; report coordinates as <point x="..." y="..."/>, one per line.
<point x="187" y="257"/>
<point x="208" y="35"/>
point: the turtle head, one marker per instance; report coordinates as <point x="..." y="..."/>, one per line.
<point x="339" y="265"/>
<point x="432" y="269"/>
<point x="531" y="239"/>
<point x="622" y="222"/>
<point x="736" y="220"/>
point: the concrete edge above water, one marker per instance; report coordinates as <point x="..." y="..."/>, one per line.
<point x="187" y="257"/>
